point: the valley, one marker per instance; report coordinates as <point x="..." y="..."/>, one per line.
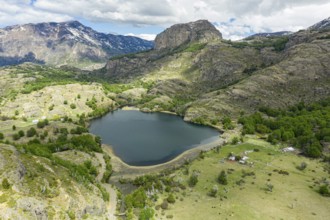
<point x="265" y="94"/>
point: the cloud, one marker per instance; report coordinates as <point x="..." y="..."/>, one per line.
<point x="143" y="36"/>
<point x="236" y="19"/>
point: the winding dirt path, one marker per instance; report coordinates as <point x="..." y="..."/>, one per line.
<point x="111" y="205"/>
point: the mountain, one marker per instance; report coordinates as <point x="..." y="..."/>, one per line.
<point x="204" y="79"/>
<point x="63" y="43"/>
<point x="322" y="25"/>
<point x="273" y="34"/>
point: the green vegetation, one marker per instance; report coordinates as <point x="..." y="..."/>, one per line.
<point x="42" y="123"/>
<point x="5" y="183"/>
<point x="108" y="168"/>
<point x="222" y="178"/>
<point x="303" y="126"/>
<point x="195" y="47"/>
<point x="193" y="179"/>
<point x="324" y="190"/>
<point x="46" y="76"/>
<point x="278" y="43"/>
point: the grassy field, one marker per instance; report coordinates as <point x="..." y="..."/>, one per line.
<point x="294" y="196"/>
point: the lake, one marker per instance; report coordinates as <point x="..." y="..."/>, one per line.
<point x="142" y="139"/>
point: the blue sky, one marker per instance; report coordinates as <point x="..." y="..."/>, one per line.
<point x="146" y="18"/>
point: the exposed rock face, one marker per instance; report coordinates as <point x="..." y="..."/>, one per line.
<point x="63" y="43"/>
<point x="202" y="31"/>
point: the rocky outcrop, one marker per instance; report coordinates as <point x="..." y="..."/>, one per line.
<point x="202" y="31"/>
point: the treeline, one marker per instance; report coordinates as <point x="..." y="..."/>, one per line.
<point x="303" y="126"/>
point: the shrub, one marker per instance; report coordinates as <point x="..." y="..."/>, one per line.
<point x="222" y="178"/>
<point x="2" y="136"/>
<point x="42" y="124"/>
<point x="324" y="191"/>
<point x="193" y="179"/>
<point x="16" y="137"/>
<point x="14" y="127"/>
<point x="31" y="132"/>
<point x="146" y="214"/>
<point x="65" y="102"/>
<point x="164" y="204"/>
<point x="72" y="106"/>
<point x="234" y="140"/>
<point x="171" y="198"/>
<point x="5" y="183"/>
<point x="21" y="133"/>
<point x="213" y="192"/>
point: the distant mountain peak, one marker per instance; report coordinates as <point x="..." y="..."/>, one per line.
<point x="272" y="34"/>
<point x="322" y="25"/>
<point x="63" y="43"/>
<point x="178" y="34"/>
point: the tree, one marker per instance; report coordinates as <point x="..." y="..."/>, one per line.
<point x="146" y="213"/>
<point x="222" y="178"/>
<point x="72" y="106"/>
<point x="2" y="136"/>
<point x="193" y="179"/>
<point x="324" y="191"/>
<point x="21" y="133"/>
<point x="31" y="132"/>
<point x="234" y="140"/>
<point x="5" y="183"/>
<point x="14" y="127"/>
<point x="171" y="198"/>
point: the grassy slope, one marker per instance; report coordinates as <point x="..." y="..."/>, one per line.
<point x="292" y="197"/>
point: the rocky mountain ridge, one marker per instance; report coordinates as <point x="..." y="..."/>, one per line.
<point x="222" y="77"/>
<point x="66" y="43"/>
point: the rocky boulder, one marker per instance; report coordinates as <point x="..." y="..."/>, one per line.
<point x="201" y="31"/>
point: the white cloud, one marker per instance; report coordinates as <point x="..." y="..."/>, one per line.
<point x="143" y="36"/>
<point x="250" y="15"/>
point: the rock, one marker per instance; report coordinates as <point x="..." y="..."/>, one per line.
<point x="201" y="31"/>
<point x="36" y="208"/>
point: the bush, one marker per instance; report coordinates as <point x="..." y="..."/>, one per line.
<point x="14" y="128"/>
<point x="146" y="214"/>
<point x="31" y="132"/>
<point x="234" y="140"/>
<point x="43" y="123"/>
<point x="324" y="191"/>
<point x="171" y="198"/>
<point x="5" y="183"/>
<point x="72" y="106"/>
<point x="222" y="178"/>
<point x="21" y="133"/>
<point x="16" y="137"/>
<point x="193" y="179"/>
<point x="164" y="204"/>
<point x="65" y="102"/>
<point x="2" y="136"/>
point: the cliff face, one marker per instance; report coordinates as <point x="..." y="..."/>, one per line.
<point x="201" y="31"/>
<point x="64" y="43"/>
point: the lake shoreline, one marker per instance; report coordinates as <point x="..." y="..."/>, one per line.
<point x="123" y="170"/>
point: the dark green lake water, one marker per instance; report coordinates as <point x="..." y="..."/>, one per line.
<point x="143" y="139"/>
